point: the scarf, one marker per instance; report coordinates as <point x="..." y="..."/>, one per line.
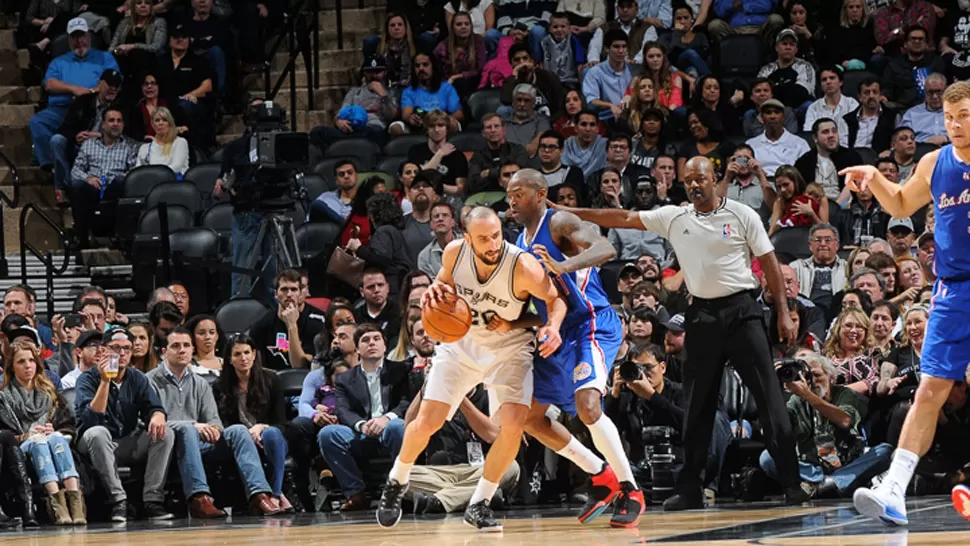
<point x="21" y="410"/>
<point x="399" y="63"/>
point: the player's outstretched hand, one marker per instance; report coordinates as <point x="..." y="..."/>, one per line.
<point x="436" y="293"/>
<point x="551" y="265"/>
<point x="549" y="339"/>
<point x="857" y="178"/>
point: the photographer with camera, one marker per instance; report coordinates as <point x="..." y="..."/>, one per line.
<point x="642" y="396"/>
<point x="745" y="181"/>
<point x="827" y="420"/>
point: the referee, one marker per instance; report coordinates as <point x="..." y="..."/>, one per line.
<point x="714" y="239"/>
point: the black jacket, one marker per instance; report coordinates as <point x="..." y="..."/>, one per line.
<point x="884" y="128"/>
<point x="80" y="116"/>
<point x="899" y="84"/>
<point x="493" y="160"/>
<point x="842" y="158"/>
<point x="272" y="411"/>
<point x="387" y="250"/>
<point x="353" y="398"/>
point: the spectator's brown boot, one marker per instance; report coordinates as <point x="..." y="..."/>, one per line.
<point x="75" y="504"/>
<point x="202" y="507"/>
<point x="261" y="505"/>
<point x="356" y="503"/>
<point x="57" y="509"/>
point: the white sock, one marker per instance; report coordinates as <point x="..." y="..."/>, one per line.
<point x="400" y="472"/>
<point x="483" y="491"/>
<point x="607" y="440"/>
<point x="581" y="456"/>
<point x="902" y="468"/>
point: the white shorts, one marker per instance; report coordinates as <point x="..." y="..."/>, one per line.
<point x="507" y="372"/>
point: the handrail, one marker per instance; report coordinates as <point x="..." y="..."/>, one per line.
<point x="47" y="258"/>
<point x="301" y="35"/>
<point x="11" y="202"/>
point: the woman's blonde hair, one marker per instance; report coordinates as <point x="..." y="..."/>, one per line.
<point x="833" y="345"/>
<point x="40" y="381"/>
<point x="844" y="18"/>
<point x="905" y="342"/>
<point x="149" y="26"/>
<point x="453" y="44"/>
<point x="411" y="315"/>
<point x="163" y="112"/>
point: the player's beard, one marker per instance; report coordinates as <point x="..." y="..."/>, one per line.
<point x="486" y="260"/>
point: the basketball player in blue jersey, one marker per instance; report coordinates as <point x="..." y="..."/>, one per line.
<point x="943" y="178"/>
<point x="574" y="378"/>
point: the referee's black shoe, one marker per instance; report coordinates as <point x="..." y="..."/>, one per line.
<point x="681" y="501"/>
<point x="389" y="509"/>
<point x="480" y="516"/>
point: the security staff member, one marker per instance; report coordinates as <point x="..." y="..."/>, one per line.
<point x="714" y="239"/>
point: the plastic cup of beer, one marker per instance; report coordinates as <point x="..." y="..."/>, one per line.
<point x="111" y="371"/>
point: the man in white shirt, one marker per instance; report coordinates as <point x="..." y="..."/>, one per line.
<point x="776" y="146"/>
<point x="87" y="352"/>
<point x="926" y="119"/>
<point x="833" y="105"/>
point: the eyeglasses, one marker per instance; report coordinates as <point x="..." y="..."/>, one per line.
<point x="548" y="147"/>
<point x="345" y="173"/>
<point x="587" y="124"/>
<point x="119" y="350"/>
<point x="619" y="147"/>
<point x="824" y="240"/>
<point x="150" y="84"/>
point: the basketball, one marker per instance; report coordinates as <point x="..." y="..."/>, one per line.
<point x="447" y="321"/>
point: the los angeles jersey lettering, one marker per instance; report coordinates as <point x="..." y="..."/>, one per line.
<point x="950" y="186"/>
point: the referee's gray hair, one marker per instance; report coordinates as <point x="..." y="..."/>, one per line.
<point x="867" y="271"/>
<point x="824" y="362"/>
<point x="820" y="226"/>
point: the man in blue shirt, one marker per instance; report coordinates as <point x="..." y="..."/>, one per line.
<point x="605" y="83"/>
<point x="334" y="206"/>
<point x="745" y="17"/>
<point x="73" y="74"/>
<point x="428" y="92"/>
<point x="926" y="119"/>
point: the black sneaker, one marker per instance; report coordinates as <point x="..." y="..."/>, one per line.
<point x="427" y="504"/>
<point x="119" y="512"/>
<point x="799" y="493"/>
<point x="155" y="511"/>
<point x="480" y="516"/>
<point x="680" y="502"/>
<point x="389" y="509"/>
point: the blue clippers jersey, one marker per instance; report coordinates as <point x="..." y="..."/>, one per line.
<point x="950" y="187"/>
<point x="582" y="289"/>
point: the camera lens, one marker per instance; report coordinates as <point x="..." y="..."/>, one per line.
<point x="629" y="370"/>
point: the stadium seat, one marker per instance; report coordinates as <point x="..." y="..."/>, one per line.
<point x="204" y="176"/>
<point x="316" y="184"/>
<point x="364" y="150"/>
<point x="179" y="217"/>
<point x="468" y="142"/>
<point x="317" y="237"/>
<point x="740" y="55"/>
<point x="484" y="102"/>
<point x="851" y="80"/>
<point x="298" y="214"/>
<point x="219" y="219"/>
<point x="325" y="166"/>
<point x="402" y="144"/>
<point x="868" y="155"/>
<point x="291" y="381"/>
<point x="216" y="156"/>
<point x="175" y="193"/>
<point x="239" y="315"/>
<point x="923" y="148"/>
<point x="194" y="242"/>
<point x="140" y="180"/>
<point x="390" y="165"/>
<point x="791" y="244"/>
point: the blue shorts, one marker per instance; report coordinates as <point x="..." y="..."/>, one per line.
<point x="946" y="348"/>
<point x="583" y="361"/>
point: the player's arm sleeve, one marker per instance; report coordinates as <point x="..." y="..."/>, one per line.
<point x="658" y="220"/>
<point x="754" y="232"/>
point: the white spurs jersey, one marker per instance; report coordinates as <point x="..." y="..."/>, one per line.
<point x="494" y="296"/>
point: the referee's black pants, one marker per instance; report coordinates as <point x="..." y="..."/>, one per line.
<point x="732" y="329"/>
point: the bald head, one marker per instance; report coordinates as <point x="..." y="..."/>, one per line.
<point x="482" y="213"/>
<point x="792" y="286"/>
<point x="700" y="164"/>
<point x="529" y="178"/>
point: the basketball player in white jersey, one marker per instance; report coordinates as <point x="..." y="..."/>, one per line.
<point x="496" y="278"/>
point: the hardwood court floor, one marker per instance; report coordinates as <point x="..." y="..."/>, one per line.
<point x="932" y="522"/>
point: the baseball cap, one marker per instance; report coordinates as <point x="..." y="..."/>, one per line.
<point x="772" y="103"/>
<point x="374" y="62"/>
<point x="431" y="178"/>
<point x="900" y="223"/>
<point x="786" y="33"/>
<point x="646" y="181"/>
<point x="676" y="323"/>
<point x="88" y="337"/>
<point x="23" y="331"/>
<point x="115" y="334"/>
<point x="629" y="268"/>
<point x="926" y="237"/>
<point x="77" y="25"/>
<point x="178" y="31"/>
<point x="112" y="77"/>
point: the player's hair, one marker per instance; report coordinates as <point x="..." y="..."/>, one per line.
<point x="957" y="92"/>
<point x="531" y="179"/>
<point x="480" y="213"/>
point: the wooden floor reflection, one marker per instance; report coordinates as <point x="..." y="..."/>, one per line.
<point x="933" y="522"/>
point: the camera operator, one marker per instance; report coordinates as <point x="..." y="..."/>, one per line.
<point x="241" y="158"/>
<point x="641" y="396"/>
<point x="827" y="421"/>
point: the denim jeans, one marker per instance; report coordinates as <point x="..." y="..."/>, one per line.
<point x="692" y="59"/>
<point x="51" y="457"/>
<point x="43" y="125"/>
<point x="245" y="230"/>
<point x="217" y="60"/>
<point x="274" y="450"/>
<point x="341" y="446"/>
<point x="234" y="441"/>
<point x="62" y="151"/>
<point x="848" y="478"/>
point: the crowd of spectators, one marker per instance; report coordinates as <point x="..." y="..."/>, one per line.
<point x="608" y="100"/>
